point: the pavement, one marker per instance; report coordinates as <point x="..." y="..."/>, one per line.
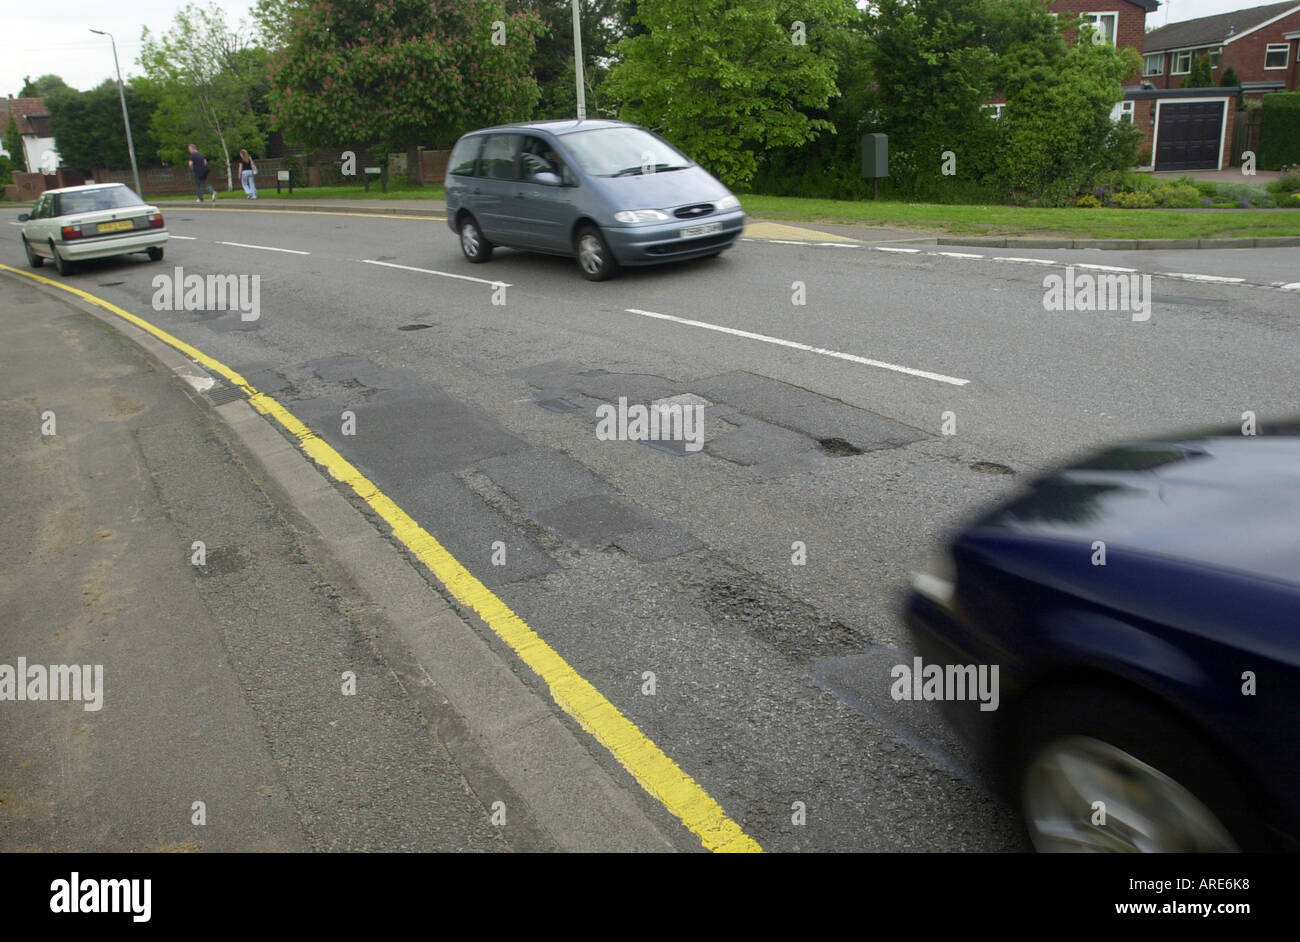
<point x="254" y="696"/>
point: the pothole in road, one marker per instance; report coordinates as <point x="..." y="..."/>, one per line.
<point x="415" y="326"/>
<point x="109" y="284"/>
<point x="838" y="447"/>
<point x="990" y="467"/>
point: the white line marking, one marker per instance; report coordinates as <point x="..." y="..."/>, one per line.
<point x="785" y="242"/>
<point x="839" y="245"/>
<point x="430" y="271"/>
<point x="890" y="248"/>
<point x="172" y="235"/>
<point x="1194" y="277"/>
<point x="852" y="358"/>
<point x="1013" y="258"/>
<point x="265" y="248"/>
<point x="1100" y="267"/>
<point x="955" y="254"/>
<point x="18" y="224"/>
<point x="1293" y="286"/>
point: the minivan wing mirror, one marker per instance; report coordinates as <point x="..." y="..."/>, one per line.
<point x="546" y="177"/>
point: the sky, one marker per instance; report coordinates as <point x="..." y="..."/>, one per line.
<point x="56" y="37"/>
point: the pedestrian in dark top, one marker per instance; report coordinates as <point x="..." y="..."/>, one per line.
<point x="199" y="164"/>
<point x="247" y="170"/>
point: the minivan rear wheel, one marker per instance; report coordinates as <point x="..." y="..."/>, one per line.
<point x="595" y="260"/>
<point x="472" y="242"/>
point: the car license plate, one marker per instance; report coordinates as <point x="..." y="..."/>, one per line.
<point x="690" y="232"/>
<point x="116" y="226"/>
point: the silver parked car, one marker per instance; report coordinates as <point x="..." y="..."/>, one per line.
<point x="606" y="192"/>
<point x="96" y="221"/>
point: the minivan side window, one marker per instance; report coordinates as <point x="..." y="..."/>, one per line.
<point x="464" y="156"/>
<point x="538" y="156"/>
<point x="498" y="160"/>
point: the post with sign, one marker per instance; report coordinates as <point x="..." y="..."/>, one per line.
<point x="875" y="160"/>
<point x="283" y="176"/>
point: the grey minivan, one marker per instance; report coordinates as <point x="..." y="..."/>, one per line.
<point x="607" y="192"/>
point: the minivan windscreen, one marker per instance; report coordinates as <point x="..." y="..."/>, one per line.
<point x="610" y="152"/>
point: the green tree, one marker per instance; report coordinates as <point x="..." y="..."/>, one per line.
<point x="727" y="80"/>
<point x="43" y="86"/>
<point x="1230" y="79"/>
<point x="14" y="145"/>
<point x="88" y="130"/>
<point x="604" y="24"/>
<point x="1201" y="76"/>
<point x="1060" y="136"/>
<point x="208" y="78"/>
<point x="402" y="73"/>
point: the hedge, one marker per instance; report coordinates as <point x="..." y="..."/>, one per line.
<point x="1279" y="130"/>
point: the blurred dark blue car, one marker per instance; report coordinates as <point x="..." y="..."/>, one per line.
<point x="1143" y="606"/>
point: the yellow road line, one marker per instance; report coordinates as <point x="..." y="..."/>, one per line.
<point x="649" y="765"/>
<point x="306" y="212"/>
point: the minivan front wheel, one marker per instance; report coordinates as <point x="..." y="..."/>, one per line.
<point x="472" y="242"/>
<point x="594" y="258"/>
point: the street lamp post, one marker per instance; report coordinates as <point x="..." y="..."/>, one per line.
<point x="126" y="120"/>
<point x="577" y="60"/>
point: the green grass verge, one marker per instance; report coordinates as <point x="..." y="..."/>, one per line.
<point x="352" y="192"/>
<point x="1024" y="221"/>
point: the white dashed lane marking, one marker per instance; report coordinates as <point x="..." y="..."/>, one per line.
<point x="264" y="248"/>
<point x="794" y="345"/>
<point x="431" y="271"/>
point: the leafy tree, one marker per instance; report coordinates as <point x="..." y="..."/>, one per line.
<point x="1230" y="79"/>
<point x="14" y="145"/>
<point x="1059" y="133"/>
<point x="604" y="23"/>
<point x="401" y="73"/>
<point x="727" y="80"/>
<point x="88" y="131"/>
<point x="6" y="170"/>
<point x="1201" y="75"/>
<point x="44" y="86"/>
<point x="209" y="79"/>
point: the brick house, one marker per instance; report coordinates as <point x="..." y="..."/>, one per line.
<point x="33" y="120"/>
<point x="1259" y="44"/>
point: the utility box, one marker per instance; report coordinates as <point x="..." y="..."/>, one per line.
<point x="875" y="155"/>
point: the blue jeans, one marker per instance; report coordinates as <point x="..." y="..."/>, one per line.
<point x="200" y="183"/>
<point x="246" y="178"/>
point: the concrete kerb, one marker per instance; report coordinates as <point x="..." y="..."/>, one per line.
<point x="1121" y="244"/>
<point x="467" y="691"/>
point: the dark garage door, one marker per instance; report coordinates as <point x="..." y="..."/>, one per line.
<point x="1189" y="135"/>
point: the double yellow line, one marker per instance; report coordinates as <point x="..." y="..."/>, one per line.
<point x="648" y="764"/>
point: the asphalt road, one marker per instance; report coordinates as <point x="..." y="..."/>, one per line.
<point x="770" y="679"/>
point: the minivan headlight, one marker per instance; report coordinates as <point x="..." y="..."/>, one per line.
<point x="640" y="215"/>
<point x="727" y="202"/>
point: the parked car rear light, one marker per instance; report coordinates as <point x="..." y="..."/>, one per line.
<point x="71" y="232"/>
<point x="155" y="220"/>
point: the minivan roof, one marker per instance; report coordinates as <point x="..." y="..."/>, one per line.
<point x="561" y="125"/>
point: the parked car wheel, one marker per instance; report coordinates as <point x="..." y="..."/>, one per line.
<point x="62" y="264"/>
<point x="36" y="261"/>
<point x="156" y="253"/>
<point x="1098" y="772"/>
<point x="472" y="241"/>
<point x="594" y="258"/>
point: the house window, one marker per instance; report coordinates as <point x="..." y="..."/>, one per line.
<point x="1182" y="62"/>
<point x="995" y="111"/>
<point x="1214" y="58"/>
<point x="1103" y="27"/>
<point x="1154" y="64"/>
<point x="1122" y="112"/>
<point x="1276" y="55"/>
